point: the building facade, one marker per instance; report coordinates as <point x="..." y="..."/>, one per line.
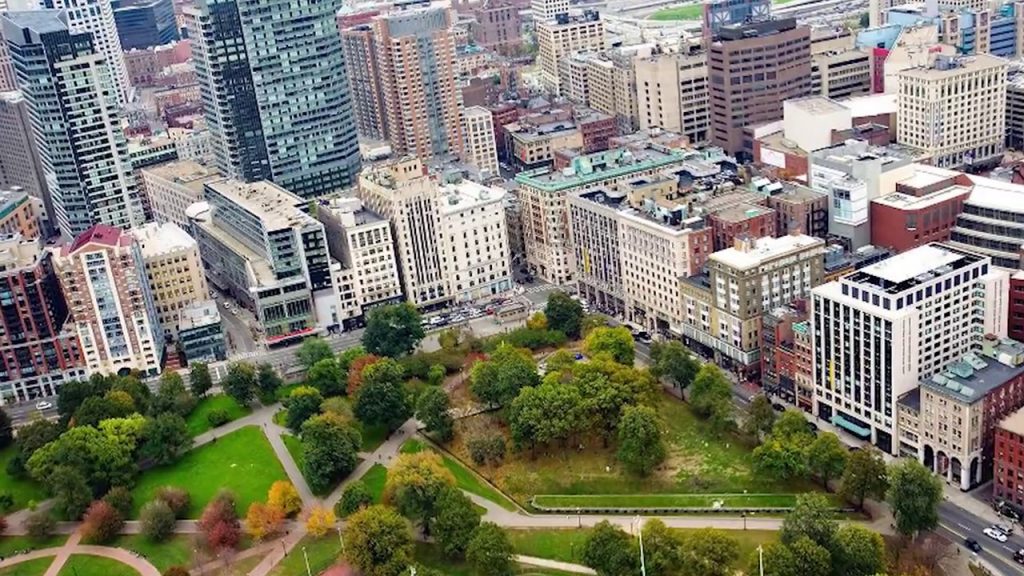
<point x="360" y="50"/>
<point x="672" y="94"/>
<point x="19" y="156"/>
<point x="145" y="23"/>
<point x="1008" y="462"/>
<point x="200" y="334"/>
<point x="475" y="240"/>
<point x="174" y="186"/>
<point x="174" y="270"/>
<point x="561" y="37"/>
<point x="481" y="149"/>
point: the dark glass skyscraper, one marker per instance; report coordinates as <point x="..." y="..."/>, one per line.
<point x="145" y="23"/>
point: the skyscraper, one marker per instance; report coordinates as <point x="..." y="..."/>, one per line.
<point x="364" y="77"/>
<point x="19" y="157"/>
<point x="416" y="59"/>
<point x="74" y="112"/>
<point x="276" y="95"/>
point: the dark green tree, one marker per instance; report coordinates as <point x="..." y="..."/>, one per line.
<point x="240" y="383"/>
<point x="673" y="361"/>
<point x="826" y="457"/>
<point x="172" y="396"/>
<point x="31" y="437"/>
<point x="455" y="522"/>
<point x="164" y="438"/>
<point x="327" y="377"/>
<point x="810" y="558"/>
<point x="864" y="477"/>
<point x="331" y="448"/>
<point x="393" y="331"/>
<point x="711" y="397"/>
<point x="641" y="447"/>
<point x="73" y="394"/>
<point x="498" y="380"/>
<point x="268" y="382"/>
<point x="564" y="314"/>
<point x="382" y="399"/>
<point x="709" y="552"/>
<point x="760" y="417"/>
<point x="199" y="379"/>
<point x="415" y="484"/>
<point x="99" y="408"/>
<point x="303" y="403"/>
<point x="663" y="549"/>
<point x="490" y="551"/>
<point x="355" y="497"/>
<point x="813" y="517"/>
<point x="378" y="542"/>
<point x="432" y="409"/>
<point x="609" y="551"/>
<point x="6" y="430"/>
<point x="348" y="355"/>
<point x="914" y="495"/>
<point x="545" y="414"/>
<point x="858" y="551"/>
<point x="71" y="493"/>
<point x="313" y="350"/>
<point x="776" y="560"/>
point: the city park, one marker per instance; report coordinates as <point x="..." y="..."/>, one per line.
<point x="545" y="449"/>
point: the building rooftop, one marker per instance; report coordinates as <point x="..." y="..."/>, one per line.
<point x="976" y="374"/>
<point x="259" y="269"/>
<point x="361" y="216"/>
<point x="276" y="207"/>
<point x="943" y="66"/>
<point x="837" y="258"/>
<point x="996" y="194"/>
<point x="747" y="30"/>
<point x="186" y="172"/>
<point x="817" y="105"/>
<point x="765" y="249"/>
<point x="853" y="151"/>
<point x="157" y="238"/>
<point x="99" y="234"/>
<point x="40" y="21"/>
<point x="911" y="400"/>
<point x="741" y="212"/>
<point x="871" y="105"/>
<point x="466" y="195"/>
<point x="1014" y="423"/>
<point x="908" y="202"/>
<point x="594" y="168"/>
<point x="913" y="267"/>
<point x="18" y="252"/>
<point x="198" y="314"/>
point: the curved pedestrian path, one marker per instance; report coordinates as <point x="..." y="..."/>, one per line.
<point x="60" y="555"/>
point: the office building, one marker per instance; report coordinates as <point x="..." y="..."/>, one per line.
<point x="475" y="240"/>
<point x="21" y="214"/>
<point x="360" y="50"/>
<point x="174" y="186"/>
<point x="923" y="209"/>
<point x="481" y="149"/>
<point x="19" y="157"/>
<point x="260" y="247"/>
<point x="200" y="334"/>
<point x="752" y="69"/>
<point x="839" y="69"/>
<point x="416" y="62"/>
<point x="38" y="352"/>
<point x="361" y="241"/>
<point x="562" y="36"/>
<point x="718" y="13"/>
<point x="672" y="94"/>
<point x="277" y="103"/>
<point x="611" y="87"/>
<point x="112" y="308"/>
<point x="96" y="17"/>
<point x="988" y="222"/>
<point x="544" y="10"/>
<point x="8" y="78"/>
<point x="497" y="26"/>
<point x="174" y="270"/>
<point x="958" y="409"/>
<point x="1015" y="111"/>
<point x="145" y="23"/>
<point x="67" y="84"/>
<point x="1008" y="462"/>
<point x="954" y="111"/>
<point x="884" y="328"/>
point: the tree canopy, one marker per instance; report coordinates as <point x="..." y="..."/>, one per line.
<point x="914" y="495"/>
<point x="499" y="379"/>
<point x="393" y="331"/>
<point x="564" y="314"/>
<point x="616" y="342"/>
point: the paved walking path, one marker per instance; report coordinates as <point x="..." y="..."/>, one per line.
<point x="61" y="554"/>
<point x="554" y="565"/>
<point x="273" y="433"/>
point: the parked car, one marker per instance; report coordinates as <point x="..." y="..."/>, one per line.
<point x="1018" y="556"/>
<point x="43" y="405"/>
<point x="1003" y="528"/>
<point x="972" y="545"/>
<point x="778" y="407"/>
<point x="812" y="427"/>
<point x="994" y="534"/>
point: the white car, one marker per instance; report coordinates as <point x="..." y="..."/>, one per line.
<point x="43" y="405"/>
<point x="995" y="534"/>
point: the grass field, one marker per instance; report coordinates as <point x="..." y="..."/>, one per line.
<point x="666" y="500"/>
<point x="242" y="462"/>
<point x="84" y="565"/>
<point x="177" y="550"/>
<point x="238" y="567"/>
<point x="691" y="11"/>
<point x="35" y="567"/>
<point x="23" y="491"/>
<point x="567" y="545"/>
<point x="10" y="544"/>
<point x="294" y="446"/>
<point x="464" y="478"/>
<point x="322" y="553"/>
<point x="375" y="478"/>
<point x="196" y="421"/>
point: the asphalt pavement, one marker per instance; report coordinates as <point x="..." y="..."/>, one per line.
<point x="958" y="524"/>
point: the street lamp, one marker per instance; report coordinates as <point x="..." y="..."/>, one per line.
<point x="306" y="557"/>
<point x="744" y="520"/>
<point x="640" y="534"/>
<point x="341" y="540"/>
<point x="760" y="558"/>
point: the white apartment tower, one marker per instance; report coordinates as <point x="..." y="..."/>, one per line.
<point x="476" y="240"/>
<point x="879" y="331"/>
<point x="481" y="149"/>
<point x="547" y="9"/>
<point x="559" y="38"/>
<point x="955" y="110"/>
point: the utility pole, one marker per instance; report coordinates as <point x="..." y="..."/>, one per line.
<point x="760" y="558"/>
<point x="640" y="534"/>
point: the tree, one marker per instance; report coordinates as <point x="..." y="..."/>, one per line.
<point x="71" y="492"/>
<point x="489" y="551"/>
<point x="393" y="331"/>
<point x="710" y="390"/>
<point x="303" y="403"/>
<point x="157" y="520"/>
<point x="864" y="477"/>
<point x="268" y="382"/>
<point x="811" y="517"/>
<point x="40" y="525"/>
<point x="449" y="339"/>
<point x="538" y="321"/>
<point x="338" y="406"/>
<point x="72" y="394"/>
<point x="616" y="342"/>
<point x="381" y="399"/>
<point x="31" y="437"/>
<point x="347" y="356"/>
<point x="641" y="446"/>
<point x="673" y="361"/>
<point x="120" y="498"/>
<point x="283" y="495"/>
<point x="564" y="314"/>
<point x="354" y="378"/>
<point x="609" y="550"/>
<point x="415" y="483"/>
<point x="101" y="523"/>
<point x="432" y="409"/>
<point x="783" y="454"/>
<point x="140" y="394"/>
<point x="914" y="495"/>
<point x="219" y="523"/>
<point x="545" y="414"/>
<point x="455" y="522"/>
<point x="592" y="321"/>
<point x="6" y="430"/>
<point x="498" y="380"/>
<point x="858" y="551"/>
<point x="177" y="499"/>
<point x="327" y="377"/>
<point x="603" y="399"/>
<point x="663" y="548"/>
<point x="378" y="542"/>
<point x="320" y="521"/>
<point x="760" y="417"/>
<point x="355" y="497"/>
<point x="330" y="446"/>
<point x="100" y="460"/>
<point x="709" y="552"/>
<point x="486" y="448"/>
<point x="113" y="404"/>
<point x="810" y="558"/>
<point x="171" y="395"/>
<point x="263" y="520"/>
<point x="199" y="379"/>
<point x="312" y="351"/>
<point x="126" y="433"/>
<point x="164" y="437"/>
<point x="436" y="374"/>
<point x="826" y="457"/>
<point x="240" y="383"/>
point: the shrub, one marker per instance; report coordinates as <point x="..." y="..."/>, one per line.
<point x="320" y="521"/>
<point x="40" y="525"/>
<point x="488" y="448"/>
<point x="120" y="498"/>
<point x="284" y="496"/>
<point x="356" y="497"/>
<point x="525" y="338"/>
<point x="6" y="500"/>
<point x="219" y="523"/>
<point x="177" y="499"/>
<point x="176" y="571"/>
<point x="157" y="520"/>
<point x="101" y="523"/>
<point x="218" y="417"/>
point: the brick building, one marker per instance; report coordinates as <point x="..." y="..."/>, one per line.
<point x="779" y="356"/>
<point x="1008" y="462"/>
<point x="799" y="208"/>
<point x="596" y="129"/>
<point x="741" y="221"/>
<point x="923" y="209"/>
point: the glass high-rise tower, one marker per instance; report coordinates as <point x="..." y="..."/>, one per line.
<point x="275" y="92"/>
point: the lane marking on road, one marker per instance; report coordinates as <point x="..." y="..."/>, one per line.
<point x="964" y="527"/>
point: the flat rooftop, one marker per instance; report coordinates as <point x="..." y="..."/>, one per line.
<point x="971" y="378"/>
<point x="926" y="175"/>
<point x="908" y="269"/>
<point x="276" y="207"/>
<point x="996" y="194"/>
<point x="908" y="202"/>
<point x="594" y="168"/>
<point x="946" y="67"/>
<point x="157" y="238"/>
<point x="186" y="172"/>
<point x="817" y="105"/>
<point x="857" y="150"/>
<point x="198" y="314"/>
<point x="466" y="195"/>
<point x="871" y="105"/>
<point x="741" y="212"/>
<point x="766" y="249"/>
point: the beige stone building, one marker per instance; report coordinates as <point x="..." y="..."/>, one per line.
<point x="558" y="39"/>
<point x="481" y="149"/>
<point x="672" y="94"/>
<point x="954" y="110"/>
<point x="174" y="269"/>
<point x="174" y="186"/>
<point x="535" y="146"/>
<point x="839" y="69"/>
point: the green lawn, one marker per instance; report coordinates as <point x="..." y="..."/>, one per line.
<point x="196" y="421"/>
<point x="373" y="436"/>
<point x="85" y="565"/>
<point x="294" y="446"/>
<point x="666" y="500"/>
<point x="375" y="478"/>
<point x="23" y="491"/>
<point x="566" y="545"/>
<point x="242" y="462"/>
<point x="464" y="478"/>
<point x="322" y="553"/>
<point x="176" y="550"/>
<point x="693" y="11"/>
<point x="10" y="544"/>
<point x="35" y="567"/>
